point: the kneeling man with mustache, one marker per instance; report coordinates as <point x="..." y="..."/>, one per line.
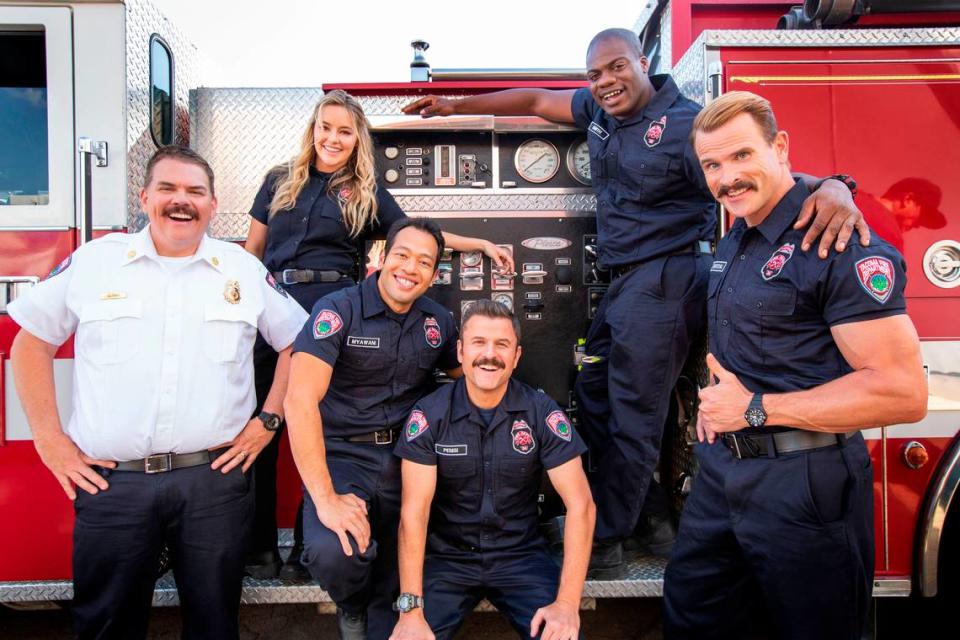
<point x="473" y="456"/>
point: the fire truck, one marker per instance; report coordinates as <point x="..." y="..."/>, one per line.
<point x="88" y="90"/>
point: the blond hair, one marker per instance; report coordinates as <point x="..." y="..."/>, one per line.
<point x="729" y="106"/>
<point x="354" y="184"/>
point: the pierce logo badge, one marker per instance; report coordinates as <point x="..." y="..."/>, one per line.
<point x="275" y="285"/>
<point x="326" y="324"/>
<point x="654" y="133"/>
<point x="598" y="131"/>
<point x="431" y="332"/>
<point x="416" y="425"/>
<point x="60" y="268"/>
<point x="522" y="436"/>
<point x="876" y="276"/>
<point x="560" y="425"/>
<point x="775" y="264"/>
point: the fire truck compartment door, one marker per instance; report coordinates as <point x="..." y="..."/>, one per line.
<point x="36" y="112"/>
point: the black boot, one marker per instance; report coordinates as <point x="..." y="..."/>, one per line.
<point x="292" y="569"/>
<point x="606" y="560"/>
<point x="352" y="626"/>
<point x="655" y="535"/>
<point x="263" y="565"/>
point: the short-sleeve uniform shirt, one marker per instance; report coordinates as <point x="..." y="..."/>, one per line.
<point x="652" y="199"/>
<point x="163" y="356"/>
<point x="383" y="362"/>
<point x="488" y="477"/>
<point x="771" y="305"/>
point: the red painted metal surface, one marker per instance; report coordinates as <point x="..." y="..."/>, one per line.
<point x="465" y="87"/>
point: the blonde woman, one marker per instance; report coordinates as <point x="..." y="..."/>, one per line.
<point x="308" y="224"/>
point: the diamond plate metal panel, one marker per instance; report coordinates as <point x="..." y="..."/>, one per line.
<point x="243" y="133"/>
<point x="833" y="37"/>
<point x="690" y="73"/>
<point x="497" y="202"/>
<point x="142" y="21"/>
<point x="390" y="105"/>
<point x="666" y="40"/>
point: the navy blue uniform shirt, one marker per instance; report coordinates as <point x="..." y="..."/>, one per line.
<point x="488" y="477"/>
<point x="312" y="234"/>
<point x="383" y="362"/>
<point x="652" y="199"/>
<point x="771" y="305"/>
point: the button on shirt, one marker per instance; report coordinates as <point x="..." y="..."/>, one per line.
<point x="163" y="356"/>
<point x="488" y="477"/>
<point x="312" y="234"/>
<point x="383" y="362"/>
<point x="771" y="305"/>
<point x="652" y="199"/>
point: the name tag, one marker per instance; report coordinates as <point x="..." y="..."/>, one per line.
<point x="450" y="449"/>
<point x="363" y="343"/>
<point x="718" y="266"/>
<point x="598" y="131"/>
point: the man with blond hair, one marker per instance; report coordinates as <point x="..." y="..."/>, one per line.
<point x="778" y="530"/>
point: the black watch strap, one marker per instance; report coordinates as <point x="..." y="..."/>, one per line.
<point x="271" y="421"/>
<point x="845" y="179"/>
<point x="756" y="415"/>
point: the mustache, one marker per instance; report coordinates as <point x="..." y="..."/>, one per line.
<point x="739" y="184"/>
<point x="493" y="362"/>
<point x="181" y="208"/>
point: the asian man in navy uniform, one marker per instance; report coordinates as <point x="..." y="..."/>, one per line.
<point x="656" y="221"/>
<point x="778" y="529"/>
<point x="473" y="456"/>
<point x="366" y="355"/>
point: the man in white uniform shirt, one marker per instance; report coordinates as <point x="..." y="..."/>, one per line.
<point x="159" y="442"/>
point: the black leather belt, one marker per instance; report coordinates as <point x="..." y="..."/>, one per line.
<point x="163" y="462"/>
<point x="300" y="276"/>
<point x="770" y="445"/>
<point x="698" y="248"/>
<point x="384" y="436"/>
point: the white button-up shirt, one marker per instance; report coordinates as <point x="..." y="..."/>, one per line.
<point x="164" y="354"/>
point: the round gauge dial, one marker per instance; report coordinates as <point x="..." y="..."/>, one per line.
<point x="471" y="258"/>
<point x="536" y="160"/>
<point x="391" y="152"/>
<point x="578" y="162"/>
<point x="391" y="175"/>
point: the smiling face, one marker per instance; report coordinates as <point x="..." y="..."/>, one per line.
<point x="618" y="77"/>
<point x="179" y="204"/>
<point x="408" y="268"/>
<point x="334" y="138"/>
<point x="745" y="173"/>
<point x="489" y="353"/>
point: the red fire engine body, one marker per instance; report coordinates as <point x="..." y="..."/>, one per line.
<point x="878" y="99"/>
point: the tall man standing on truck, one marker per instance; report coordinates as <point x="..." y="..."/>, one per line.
<point x="656" y="221"/>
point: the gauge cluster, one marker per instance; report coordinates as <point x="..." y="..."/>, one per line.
<point x="559" y="160"/>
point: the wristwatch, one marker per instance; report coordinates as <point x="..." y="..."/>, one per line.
<point x="407" y="602"/>
<point x="845" y="179"/>
<point x="271" y="421"/>
<point x="755" y="415"/>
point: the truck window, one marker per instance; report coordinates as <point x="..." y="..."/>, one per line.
<point x="24" y="170"/>
<point x="161" y="92"/>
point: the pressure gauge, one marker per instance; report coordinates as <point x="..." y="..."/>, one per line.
<point x="471" y="259"/>
<point x="578" y="162"/>
<point x="391" y="152"/>
<point x="536" y="160"/>
<point x="391" y="175"/>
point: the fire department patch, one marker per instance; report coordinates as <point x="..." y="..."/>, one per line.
<point x="275" y="285"/>
<point x="416" y="425"/>
<point x="327" y="323"/>
<point x="431" y="331"/>
<point x="344" y="193"/>
<point x="876" y="277"/>
<point x="655" y="132"/>
<point x="60" y="268"/>
<point x="522" y="435"/>
<point x="775" y="264"/>
<point x="558" y="423"/>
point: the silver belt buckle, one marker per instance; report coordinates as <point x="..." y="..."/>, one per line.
<point x="736" y="446"/>
<point x="387" y="440"/>
<point x="283" y="276"/>
<point x="158" y="463"/>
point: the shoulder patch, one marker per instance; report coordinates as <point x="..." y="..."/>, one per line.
<point x="522" y="436"/>
<point x="431" y="332"/>
<point x="876" y="276"/>
<point x="60" y="268"/>
<point x="772" y="268"/>
<point x="276" y="285"/>
<point x="326" y="324"/>
<point x="416" y="425"/>
<point x="558" y="423"/>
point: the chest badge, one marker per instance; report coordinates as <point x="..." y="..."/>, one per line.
<point x="557" y="423"/>
<point x="231" y="292"/>
<point x="522" y="436"/>
<point x="431" y="332"/>
<point x="416" y="425"/>
<point x="777" y="261"/>
<point x="876" y="277"/>
<point x="654" y="133"/>
<point x="327" y="323"/>
<point x="344" y="194"/>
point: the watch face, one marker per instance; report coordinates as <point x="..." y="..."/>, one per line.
<point x="405" y="603"/>
<point x="755" y="417"/>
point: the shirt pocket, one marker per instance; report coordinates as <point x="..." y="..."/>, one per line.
<point x="458" y="477"/>
<point x="644" y="174"/>
<point x="517" y="484"/>
<point x="110" y="331"/>
<point x="228" y="332"/>
<point x="769" y="320"/>
<point x="365" y="367"/>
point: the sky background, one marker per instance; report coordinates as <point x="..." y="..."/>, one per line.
<point x="288" y="43"/>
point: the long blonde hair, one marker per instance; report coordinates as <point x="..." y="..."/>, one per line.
<point x="354" y="184"/>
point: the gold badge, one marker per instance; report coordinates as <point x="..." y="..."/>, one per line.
<point x="216" y="261"/>
<point x="131" y="253"/>
<point x="231" y="293"/>
<point x="113" y="295"/>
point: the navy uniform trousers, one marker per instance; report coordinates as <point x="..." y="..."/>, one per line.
<point x="201" y="514"/>
<point x="366" y="581"/>
<point x="641" y="336"/>
<point x="782" y="546"/>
